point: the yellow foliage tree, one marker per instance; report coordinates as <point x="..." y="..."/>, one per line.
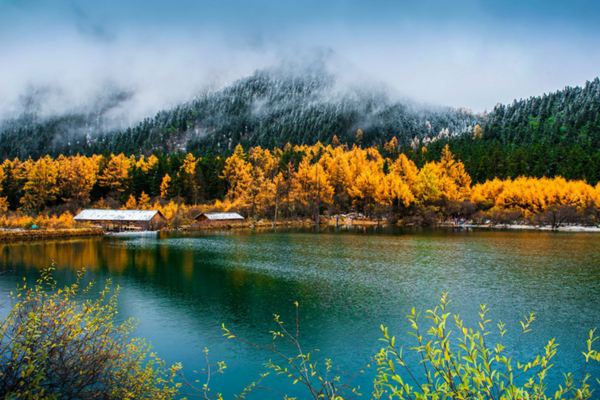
<point x="477" y="132"/>
<point x="186" y="177"/>
<point x="313" y="187"/>
<point x="78" y="175"/>
<point x="406" y="170"/>
<point x="165" y="187"/>
<point x="41" y="185"/>
<point x="238" y="174"/>
<point x="455" y="183"/>
<point x="392" y="188"/>
<point x="144" y="201"/>
<point x="115" y="175"/>
<point x="428" y="183"/>
<point x="359" y="137"/>
<point x="391" y="146"/>
<point x="131" y="203"/>
<point x="365" y="187"/>
<point x="3" y="200"/>
<point x="339" y="174"/>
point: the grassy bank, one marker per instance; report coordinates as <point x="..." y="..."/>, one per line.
<point x="13" y="236"/>
<point x="249" y="224"/>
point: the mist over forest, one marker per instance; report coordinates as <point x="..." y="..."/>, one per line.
<point x="286" y="103"/>
<point x="316" y="100"/>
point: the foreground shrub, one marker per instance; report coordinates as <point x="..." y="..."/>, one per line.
<point x="466" y="367"/>
<point x="318" y="381"/>
<point x="53" y="346"/>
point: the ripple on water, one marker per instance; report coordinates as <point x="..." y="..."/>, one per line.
<point x="183" y="287"/>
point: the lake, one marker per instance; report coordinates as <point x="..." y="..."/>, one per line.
<point x="183" y="286"/>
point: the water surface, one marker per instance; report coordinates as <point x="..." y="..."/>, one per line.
<point x="348" y="281"/>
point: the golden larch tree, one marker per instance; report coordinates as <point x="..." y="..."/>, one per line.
<point x="131" y="203"/>
<point x="165" y="187"/>
<point x="238" y="174"/>
<point x="116" y="174"/>
<point x="144" y="201"/>
<point x="41" y="185"/>
<point x="78" y="175"/>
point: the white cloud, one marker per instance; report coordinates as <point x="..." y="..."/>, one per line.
<point x="76" y="54"/>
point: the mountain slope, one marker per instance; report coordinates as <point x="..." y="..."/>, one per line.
<point x="544" y="136"/>
<point x="269" y="108"/>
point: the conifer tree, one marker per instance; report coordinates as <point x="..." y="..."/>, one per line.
<point x="41" y="186"/>
<point x="131" y="203"/>
<point x="165" y="187"/>
<point x="144" y="201"/>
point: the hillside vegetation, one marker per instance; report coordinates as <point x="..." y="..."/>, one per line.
<point x="293" y="182"/>
<point x="557" y="134"/>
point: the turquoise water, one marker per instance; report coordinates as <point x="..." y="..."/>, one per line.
<point x="183" y="287"/>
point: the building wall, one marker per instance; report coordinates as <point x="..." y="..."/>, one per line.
<point x="206" y="221"/>
<point x="157" y="222"/>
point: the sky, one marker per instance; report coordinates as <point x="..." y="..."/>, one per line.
<point x="461" y="53"/>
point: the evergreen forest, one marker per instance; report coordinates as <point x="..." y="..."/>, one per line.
<point x="556" y="134"/>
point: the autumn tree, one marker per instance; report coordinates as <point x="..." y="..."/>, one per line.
<point x="428" y="183"/>
<point x="187" y="181"/>
<point x="3" y="200"/>
<point x="131" y="203"/>
<point x="144" y="202"/>
<point x="338" y="171"/>
<point x="238" y="174"/>
<point x="365" y="187"/>
<point x="391" y="147"/>
<point x="456" y="182"/>
<point x="278" y="188"/>
<point x="335" y="142"/>
<point x="11" y="188"/>
<point x="406" y="170"/>
<point x="477" y="132"/>
<point x="41" y="185"/>
<point x="359" y="138"/>
<point x="313" y="188"/>
<point x="165" y="187"/>
<point x="392" y="189"/>
<point x="290" y="188"/>
<point x="77" y="177"/>
<point x="115" y="175"/>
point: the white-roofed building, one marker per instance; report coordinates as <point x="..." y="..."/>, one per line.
<point x="219" y="218"/>
<point x="119" y="220"/>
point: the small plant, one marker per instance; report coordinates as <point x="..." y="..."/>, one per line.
<point x="54" y="345"/>
<point x="320" y="382"/>
<point x="471" y="369"/>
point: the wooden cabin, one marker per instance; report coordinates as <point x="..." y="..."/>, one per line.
<point x="123" y="220"/>
<point x="219" y="218"/>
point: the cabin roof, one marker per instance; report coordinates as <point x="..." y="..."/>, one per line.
<point x="220" y="216"/>
<point x="117" y="215"/>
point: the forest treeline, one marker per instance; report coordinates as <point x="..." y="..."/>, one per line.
<point x="557" y="134"/>
<point x="293" y="182"/>
<point x="268" y="109"/>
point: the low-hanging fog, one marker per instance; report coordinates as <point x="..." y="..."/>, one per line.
<point x="132" y="59"/>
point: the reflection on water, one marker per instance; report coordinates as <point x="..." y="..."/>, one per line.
<point x="348" y="281"/>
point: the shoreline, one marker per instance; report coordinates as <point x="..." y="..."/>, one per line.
<point x="15" y="236"/>
<point x="362" y="223"/>
<point x="568" y="228"/>
<point x="32" y="235"/>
